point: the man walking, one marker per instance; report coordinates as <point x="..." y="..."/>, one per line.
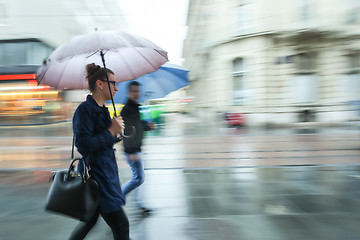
<point x="132" y="146"/>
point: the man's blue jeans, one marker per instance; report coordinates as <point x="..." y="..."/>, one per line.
<point x="138" y="177"/>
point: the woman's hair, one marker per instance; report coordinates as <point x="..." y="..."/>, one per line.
<point x="94" y="73"/>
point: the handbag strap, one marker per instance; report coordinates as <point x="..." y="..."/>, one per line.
<point x="85" y="175"/>
<point x="73" y="145"/>
<point x="72" y="153"/>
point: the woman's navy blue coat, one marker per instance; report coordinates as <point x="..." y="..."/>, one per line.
<point x="92" y="137"/>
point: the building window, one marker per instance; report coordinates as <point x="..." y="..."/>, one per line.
<point x="353" y="77"/>
<point x="2" y="14"/>
<point x="18" y="52"/>
<point x="304" y="11"/>
<point x="238" y="82"/>
<point x="306" y="63"/>
<point x="12" y="54"/>
<point x="352" y="12"/>
<point x="245" y="16"/>
<point x="354" y="63"/>
<point x="305" y="82"/>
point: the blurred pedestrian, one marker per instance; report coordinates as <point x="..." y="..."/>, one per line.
<point x="95" y="134"/>
<point x="132" y="146"/>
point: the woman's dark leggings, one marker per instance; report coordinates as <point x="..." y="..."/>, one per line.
<point x="117" y="221"/>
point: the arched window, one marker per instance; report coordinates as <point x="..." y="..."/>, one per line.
<point x="306" y="82"/>
<point x="238" y="81"/>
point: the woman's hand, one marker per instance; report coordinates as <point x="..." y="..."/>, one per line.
<point x="117" y="126"/>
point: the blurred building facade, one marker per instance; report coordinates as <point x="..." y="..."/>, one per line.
<point x="57" y="21"/>
<point x="278" y="61"/>
<point x="29" y="32"/>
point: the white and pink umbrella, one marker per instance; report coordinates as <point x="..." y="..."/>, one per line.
<point x="129" y="56"/>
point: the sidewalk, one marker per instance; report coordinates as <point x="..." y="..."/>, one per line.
<point x="203" y="182"/>
<point x="196" y="204"/>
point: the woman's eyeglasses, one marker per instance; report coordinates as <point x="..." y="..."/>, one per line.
<point x="112" y="82"/>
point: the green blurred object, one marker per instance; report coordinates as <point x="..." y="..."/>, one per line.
<point x="152" y="113"/>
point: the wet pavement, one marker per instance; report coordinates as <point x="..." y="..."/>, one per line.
<point x="307" y="202"/>
<point x="223" y="183"/>
<point x="53" y="152"/>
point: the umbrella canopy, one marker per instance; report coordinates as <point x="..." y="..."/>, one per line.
<point x="129" y="56"/>
<point x="168" y="78"/>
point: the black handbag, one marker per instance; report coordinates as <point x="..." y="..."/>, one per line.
<point x="73" y="194"/>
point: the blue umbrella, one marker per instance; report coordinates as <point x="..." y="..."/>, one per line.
<point x="168" y="78"/>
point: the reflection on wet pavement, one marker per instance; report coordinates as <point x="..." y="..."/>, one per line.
<point x="195" y="151"/>
<point x="321" y="202"/>
<point x="203" y="182"/>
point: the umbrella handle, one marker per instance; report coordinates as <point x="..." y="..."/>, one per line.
<point x="132" y="134"/>
<point x="107" y="79"/>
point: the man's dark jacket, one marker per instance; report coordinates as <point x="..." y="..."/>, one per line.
<point x="131" y="116"/>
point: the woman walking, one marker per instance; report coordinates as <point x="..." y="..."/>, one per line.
<point x="95" y="135"/>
